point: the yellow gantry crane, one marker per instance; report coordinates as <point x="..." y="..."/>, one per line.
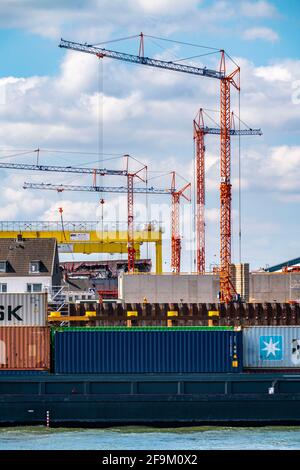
<point x="87" y="237"/>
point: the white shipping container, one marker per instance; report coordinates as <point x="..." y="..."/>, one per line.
<point x="271" y="347"/>
<point x="23" y="309"/>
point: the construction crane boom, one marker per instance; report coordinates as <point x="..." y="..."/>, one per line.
<point x="97" y="189"/>
<point x="217" y="131"/>
<point x="136" y="59"/>
<point x="63" y="169"/>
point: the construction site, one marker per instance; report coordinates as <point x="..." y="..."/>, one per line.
<point x="137" y="290"/>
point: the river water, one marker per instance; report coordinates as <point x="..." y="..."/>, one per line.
<point x="146" y="438"/>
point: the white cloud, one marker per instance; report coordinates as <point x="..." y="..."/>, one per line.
<point x="56" y="18"/>
<point x="72" y="210"/>
<point x="161" y="7"/>
<point x="212" y="215"/>
<point x="276" y="170"/>
<point x="98" y="20"/>
<point x="266" y="34"/>
<point x="274" y="73"/>
<point x="258" y="9"/>
<point x="289" y="198"/>
<point x="17" y="204"/>
<point x="77" y="74"/>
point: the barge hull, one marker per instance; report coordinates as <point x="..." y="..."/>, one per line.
<point x="171" y="399"/>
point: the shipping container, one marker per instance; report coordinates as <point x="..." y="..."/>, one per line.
<point x="271" y="347"/>
<point x="23" y="309"/>
<point x="142" y="328"/>
<point x="125" y="351"/>
<point x="24" y="348"/>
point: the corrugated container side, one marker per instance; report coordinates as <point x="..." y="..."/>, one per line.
<point x="17" y="372"/>
<point x="141" y="328"/>
<point x="23" y="309"/>
<point x="24" y="348"/>
<point x="147" y="351"/>
<point x="271" y="347"/>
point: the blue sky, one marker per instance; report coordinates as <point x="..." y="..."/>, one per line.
<point x="56" y="99"/>
<point x="27" y="53"/>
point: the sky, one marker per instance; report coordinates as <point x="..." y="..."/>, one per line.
<point x="63" y="101"/>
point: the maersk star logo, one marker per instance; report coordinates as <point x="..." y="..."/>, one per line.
<point x="270" y="348"/>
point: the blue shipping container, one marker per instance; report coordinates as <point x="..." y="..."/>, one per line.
<point x="100" y="352"/>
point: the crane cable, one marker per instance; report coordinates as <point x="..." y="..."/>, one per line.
<point x="147" y="210"/>
<point x="239" y="188"/>
<point x="60" y="210"/>
<point x="100" y="138"/>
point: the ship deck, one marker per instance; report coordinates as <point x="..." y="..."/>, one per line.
<point x="150" y="399"/>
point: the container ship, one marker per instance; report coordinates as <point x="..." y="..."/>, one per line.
<point x="158" y="375"/>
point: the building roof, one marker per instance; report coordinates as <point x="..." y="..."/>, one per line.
<point x="19" y="253"/>
<point x="112" y="266"/>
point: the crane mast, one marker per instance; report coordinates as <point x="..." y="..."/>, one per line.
<point x="200" y="191"/>
<point x="130" y="249"/>
<point x="226" y="288"/>
<point x="175" y="224"/>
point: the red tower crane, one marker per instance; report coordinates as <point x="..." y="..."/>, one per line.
<point x="121" y="189"/>
<point x="130" y="190"/>
<point x="130" y="213"/>
<point x="175" y="224"/>
<point x="226" y="286"/>
<point x="200" y="191"/>
<point x="226" y="81"/>
<point x="200" y="130"/>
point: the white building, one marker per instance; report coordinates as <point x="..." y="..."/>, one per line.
<point x="29" y="265"/>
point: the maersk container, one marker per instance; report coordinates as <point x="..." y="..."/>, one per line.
<point x="23" y="309"/>
<point x="24" y="348"/>
<point x="271" y="347"/>
<point x="106" y="351"/>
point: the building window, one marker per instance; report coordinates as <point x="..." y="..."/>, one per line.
<point x="3" y="266"/>
<point x="34" y="287"/>
<point x="3" y="288"/>
<point x="34" y="267"/>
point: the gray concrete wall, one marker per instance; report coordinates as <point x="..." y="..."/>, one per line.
<point x="274" y="287"/>
<point x="168" y="288"/>
<point x="190" y="288"/>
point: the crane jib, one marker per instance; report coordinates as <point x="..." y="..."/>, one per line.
<point x="169" y="65"/>
<point x="63" y="169"/>
<point x="100" y="189"/>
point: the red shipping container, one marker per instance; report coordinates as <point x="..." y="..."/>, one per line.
<point x="26" y="347"/>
